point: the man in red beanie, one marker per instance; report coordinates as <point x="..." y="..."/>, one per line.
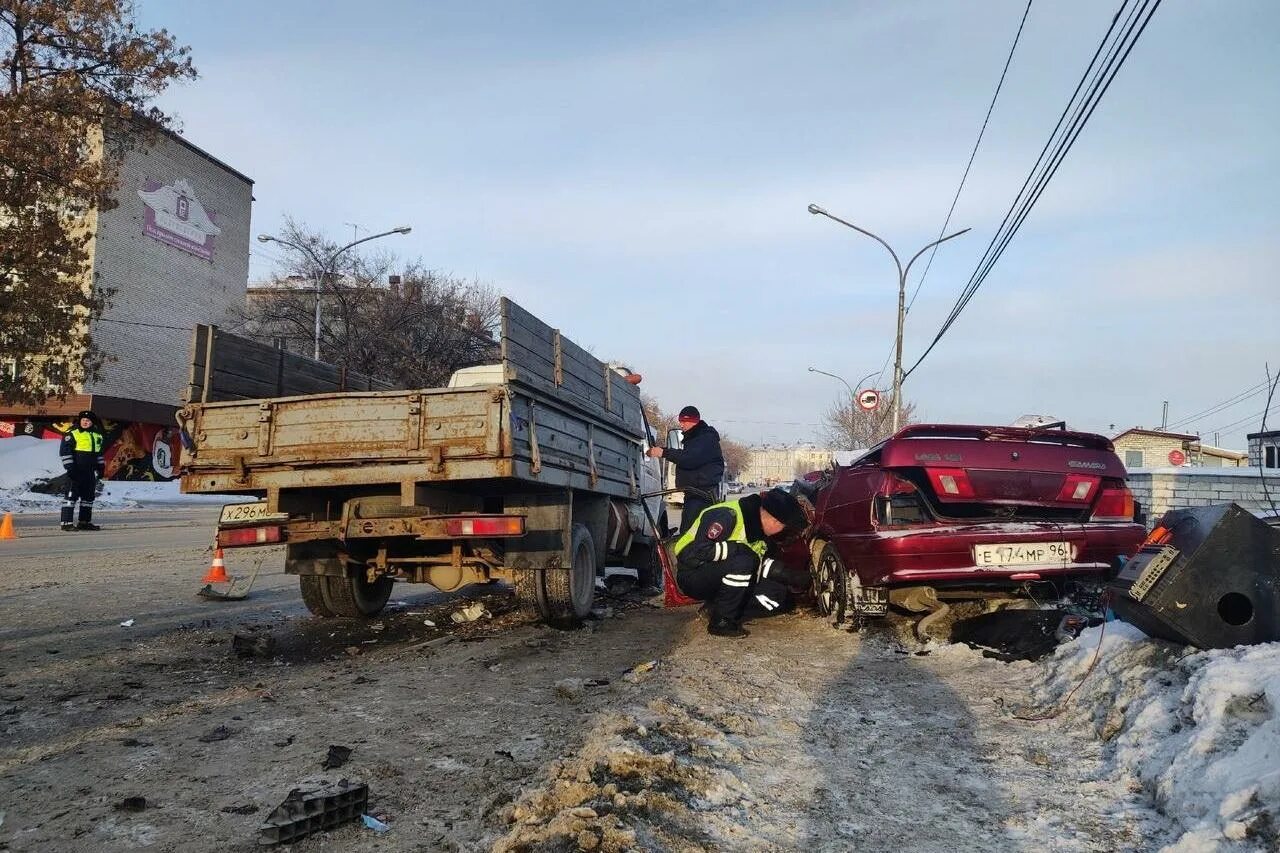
<point x="699" y="464"/>
<point x="721" y="558"/>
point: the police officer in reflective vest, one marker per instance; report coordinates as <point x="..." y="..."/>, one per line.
<point x="721" y="558"/>
<point x="82" y="458"/>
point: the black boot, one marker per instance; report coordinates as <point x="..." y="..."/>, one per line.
<point x="86" y="518"/>
<point x="726" y="628"/>
<point x="67" y="510"/>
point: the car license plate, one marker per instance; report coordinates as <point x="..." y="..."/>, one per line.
<point x="246" y="512"/>
<point x="1022" y="554"/>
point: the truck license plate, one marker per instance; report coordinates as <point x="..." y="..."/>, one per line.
<point x="1022" y="554"/>
<point x="246" y="512"/>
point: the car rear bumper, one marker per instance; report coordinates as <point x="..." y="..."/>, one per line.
<point x="945" y="554"/>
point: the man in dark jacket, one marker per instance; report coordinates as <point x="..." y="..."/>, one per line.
<point x="699" y="464"/>
<point x="721" y="558"/>
<point x="81" y="451"/>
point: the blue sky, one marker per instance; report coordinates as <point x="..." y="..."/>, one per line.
<point x="637" y="175"/>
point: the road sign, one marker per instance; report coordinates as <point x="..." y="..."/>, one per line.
<point x="1177" y="457"/>
<point x="868" y="399"/>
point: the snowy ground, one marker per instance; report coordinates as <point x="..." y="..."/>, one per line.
<point x="1196" y="733"/>
<point x="24" y="460"/>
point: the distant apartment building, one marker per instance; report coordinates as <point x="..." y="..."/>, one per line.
<point x="770" y="465"/>
<point x="175" y="251"/>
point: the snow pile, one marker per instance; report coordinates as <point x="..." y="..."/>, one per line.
<point x="1196" y="732"/>
<point x="25" y="460"/>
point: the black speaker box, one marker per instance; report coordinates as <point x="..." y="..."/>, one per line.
<point x="1211" y="581"/>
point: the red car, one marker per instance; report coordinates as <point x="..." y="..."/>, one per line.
<point x="965" y="507"/>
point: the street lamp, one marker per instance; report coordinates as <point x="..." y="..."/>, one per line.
<point x="902" y="298"/>
<point x="853" y="398"/>
<point x="325" y="267"/>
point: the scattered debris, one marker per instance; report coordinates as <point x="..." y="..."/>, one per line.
<point x="374" y="824"/>
<point x="433" y="644"/>
<point x="353" y="650"/>
<point x="215" y="735"/>
<point x="305" y="812"/>
<point x="338" y="756"/>
<point x="640" y="671"/>
<point x="133" y="741"/>
<point x="471" y="613"/>
<point x="247" y="808"/>
<point x="252" y="645"/>
<point x="570" y="688"/>
<point x="428" y="623"/>
<point x="128" y="623"/>
<point x="360" y="679"/>
<point x="132" y="804"/>
<point x="286" y="742"/>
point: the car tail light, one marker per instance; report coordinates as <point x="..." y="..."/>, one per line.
<point x="1078" y="487"/>
<point x="243" y="537"/>
<point x="951" y="482"/>
<point x="1114" y="504"/>
<point x="493" y="525"/>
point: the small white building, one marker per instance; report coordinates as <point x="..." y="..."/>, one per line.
<point x="1264" y="449"/>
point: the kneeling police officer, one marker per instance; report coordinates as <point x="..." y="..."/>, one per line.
<point x="721" y="559"/>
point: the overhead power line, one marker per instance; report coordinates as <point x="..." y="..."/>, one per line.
<point x="1110" y="56"/>
<point x="972" y="154"/>
<point x="1234" y="400"/>
<point x="1256" y="416"/>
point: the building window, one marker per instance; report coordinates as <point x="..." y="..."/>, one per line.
<point x="1133" y="459"/>
<point x="1270" y="453"/>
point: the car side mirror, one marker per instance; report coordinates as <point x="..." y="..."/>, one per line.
<point x="675" y="439"/>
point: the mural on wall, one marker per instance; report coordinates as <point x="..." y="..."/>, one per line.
<point x="176" y="217"/>
<point x="133" y="451"/>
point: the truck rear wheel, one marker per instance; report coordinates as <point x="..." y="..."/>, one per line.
<point x="564" y="598"/>
<point x="313" y="595"/>
<point x="354" y="597"/>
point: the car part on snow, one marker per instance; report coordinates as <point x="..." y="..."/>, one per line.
<point x="1207" y="577"/>
<point x="920" y="599"/>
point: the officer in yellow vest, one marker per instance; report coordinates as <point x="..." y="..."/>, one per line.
<point x="720" y="559"/>
<point x="82" y="458"/>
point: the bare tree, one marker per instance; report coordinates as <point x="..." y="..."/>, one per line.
<point x="413" y="331"/>
<point x="736" y="457"/>
<point x="847" y="425"/>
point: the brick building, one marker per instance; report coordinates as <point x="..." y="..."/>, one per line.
<point x="1151" y="448"/>
<point x="1264" y="449"/>
<point x="176" y="253"/>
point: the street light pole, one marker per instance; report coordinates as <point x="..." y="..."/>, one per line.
<point x="853" y="398"/>
<point x="325" y="267"/>
<point x="902" y="299"/>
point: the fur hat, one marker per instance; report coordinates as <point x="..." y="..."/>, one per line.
<point x="783" y="506"/>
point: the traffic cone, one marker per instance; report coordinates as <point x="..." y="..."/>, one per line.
<point x="217" y="570"/>
<point x="6" y="527"/>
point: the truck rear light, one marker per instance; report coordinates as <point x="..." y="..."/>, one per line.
<point x="1078" y="487"/>
<point x="500" y="525"/>
<point x="952" y="482"/>
<point x="243" y="537"/>
<point x="1114" y="504"/>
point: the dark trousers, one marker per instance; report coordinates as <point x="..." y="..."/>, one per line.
<point x="693" y="507"/>
<point x="724" y="585"/>
<point x="83" y="486"/>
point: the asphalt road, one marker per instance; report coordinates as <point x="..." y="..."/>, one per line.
<point x="38" y="533"/>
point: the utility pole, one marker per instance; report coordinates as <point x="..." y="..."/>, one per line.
<point x="1164" y="416"/>
<point x="902" y="299"/>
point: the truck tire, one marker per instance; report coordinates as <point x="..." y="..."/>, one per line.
<point x="354" y="597"/>
<point x="313" y="595"/>
<point x="564" y="598"/>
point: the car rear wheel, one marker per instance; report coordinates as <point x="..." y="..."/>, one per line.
<point x="831" y="585"/>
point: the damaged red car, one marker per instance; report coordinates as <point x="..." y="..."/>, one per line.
<point x="946" y="509"/>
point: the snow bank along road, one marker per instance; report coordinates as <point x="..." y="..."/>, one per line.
<point x="506" y="735"/>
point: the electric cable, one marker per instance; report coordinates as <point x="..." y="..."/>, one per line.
<point x="972" y="154"/>
<point x="1095" y="81"/>
<point x="1234" y="400"/>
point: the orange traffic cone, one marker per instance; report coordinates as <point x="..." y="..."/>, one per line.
<point x="217" y="570"/>
<point x="6" y="527"/>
